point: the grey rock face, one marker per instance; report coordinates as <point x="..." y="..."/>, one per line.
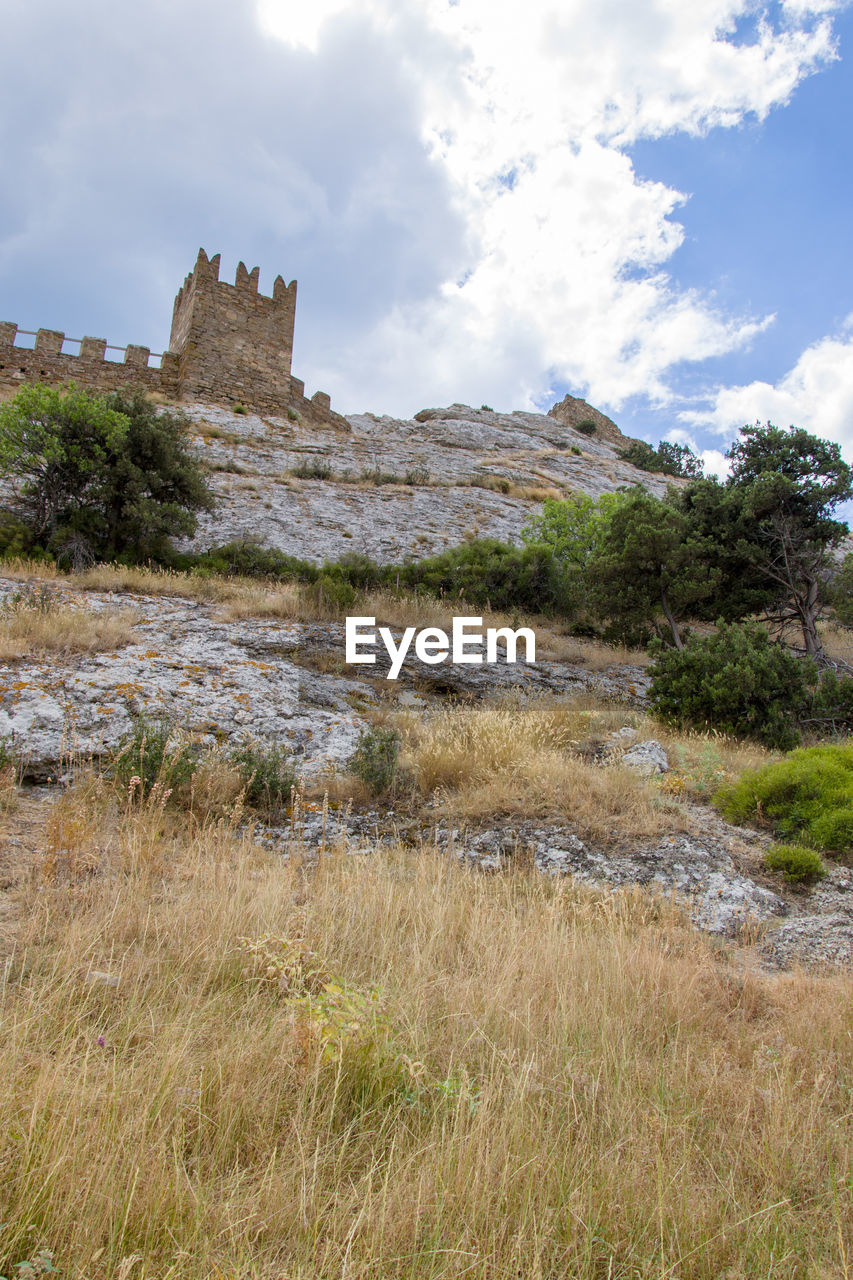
<point x="647" y="758"/>
<point x="456" y="460"/>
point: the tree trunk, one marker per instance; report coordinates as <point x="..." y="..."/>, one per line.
<point x="673" y="625"/>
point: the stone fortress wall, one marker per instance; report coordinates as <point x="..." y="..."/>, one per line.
<point x="229" y="345"/>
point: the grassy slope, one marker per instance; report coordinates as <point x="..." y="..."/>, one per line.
<point x="551" y="1084"/>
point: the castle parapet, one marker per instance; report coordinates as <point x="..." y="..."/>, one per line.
<point x="46" y="362"/>
<point x="229" y="344"/>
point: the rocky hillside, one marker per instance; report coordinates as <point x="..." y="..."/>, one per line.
<point x="225" y="678"/>
<point x="392" y="488"/>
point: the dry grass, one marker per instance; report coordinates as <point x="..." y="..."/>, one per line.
<point x="36" y="624"/>
<point x="549" y="1084"/>
<point x="528" y="760"/>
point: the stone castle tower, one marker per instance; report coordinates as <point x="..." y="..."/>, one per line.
<point x="229" y="345"/>
<point x="233" y="343"/>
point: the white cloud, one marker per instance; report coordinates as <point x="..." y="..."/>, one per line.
<point x="565" y="280"/>
<point x="448" y="181"/>
<point x="816" y="394"/>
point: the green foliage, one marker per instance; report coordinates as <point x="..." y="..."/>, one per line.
<point x="806" y="796"/>
<point x="239" y="408"/>
<point x="312" y="469"/>
<point x="16" y="537"/>
<point x="487" y="408"/>
<point x="375" y="475"/>
<point x="798" y="864"/>
<point x="643" y="568"/>
<point x="247" y="557"/>
<point x="587" y="427"/>
<point x="720" y="533"/>
<point x="269" y="775"/>
<point x="485" y="572"/>
<point x="153" y="755"/>
<point x="790" y="483"/>
<point x="667" y="459"/>
<point x="107" y="476"/>
<point x="40" y="1264"/>
<point x="734" y="681"/>
<point x="333" y="591"/>
<point x="840" y="591"/>
<point x="374" y="760"/>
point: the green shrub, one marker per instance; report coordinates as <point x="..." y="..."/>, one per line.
<point x="292" y="415"/>
<point x="419" y="474"/>
<point x="335" y="592"/>
<point x="575" y="449"/>
<point x="239" y="408"/>
<point x="248" y="558"/>
<point x="374" y="760"/>
<point x="797" y="864"/>
<point x="806" y="796"/>
<point x="486" y="408"/>
<point x="734" y="681"/>
<point x="485" y="572"/>
<point x="375" y="475"/>
<point x="312" y="469"/>
<point x="268" y="772"/>
<point x="587" y="427"/>
<point x="153" y="754"/>
<point x="667" y="459"/>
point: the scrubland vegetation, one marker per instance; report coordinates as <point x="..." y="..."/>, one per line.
<point x="217" y="1063"/>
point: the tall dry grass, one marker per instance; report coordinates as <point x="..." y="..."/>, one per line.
<point x="536" y="759"/>
<point x="547" y="1084"/>
<point x="37" y="623"/>
<point x="248" y="598"/>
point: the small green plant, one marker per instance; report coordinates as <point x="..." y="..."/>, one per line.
<point x="575" y="449"/>
<point x="239" y="408"/>
<point x="587" y="427"/>
<point x="312" y="469"/>
<point x="268" y="772"/>
<point x="40" y="1264"/>
<point x="374" y="760"/>
<point x="797" y="864"/>
<point x="39" y="599"/>
<point x="292" y="415"/>
<point x="152" y="755"/>
<point x="375" y="475"/>
<point x="486" y="408"/>
<point x="806" y="796"/>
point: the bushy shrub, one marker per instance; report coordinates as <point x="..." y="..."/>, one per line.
<point x="153" y="754"/>
<point x="587" y="427"/>
<point x="331" y="591"/>
<point x="806" y="796"/>
<point x="486" y="572"/>
<point x="269" y="775"/>
<point x="797" y="864"/>
<point x="667" y="459"/>
<point x="312" y="469"/>
<point x="248" y="558"/>
<point x="374" y="760"/>
<point x="734" y="681"/>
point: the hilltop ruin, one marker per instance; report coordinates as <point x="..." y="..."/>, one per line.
<point x="229" y="345"/>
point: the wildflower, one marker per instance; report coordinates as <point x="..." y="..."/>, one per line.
<point x="101" y="1041"/>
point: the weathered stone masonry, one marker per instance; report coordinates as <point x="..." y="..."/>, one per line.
<point x="229" y="345"/>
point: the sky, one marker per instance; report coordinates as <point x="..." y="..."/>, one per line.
<point x="642" y="202"/>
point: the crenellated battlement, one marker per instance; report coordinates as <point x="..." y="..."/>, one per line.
<point x="49" y="360"/>
<point x="229" y="344"/>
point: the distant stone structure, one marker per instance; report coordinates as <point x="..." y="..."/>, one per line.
<point x="229" y="345"/>
<point x="572" y="411"/>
